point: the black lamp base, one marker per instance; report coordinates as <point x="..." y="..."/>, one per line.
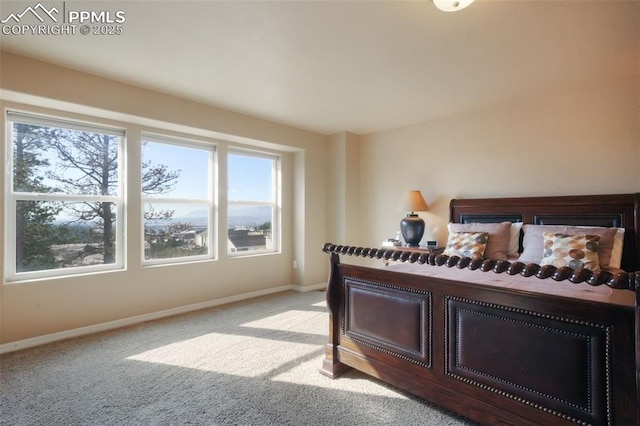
<point x="412" y="228"/>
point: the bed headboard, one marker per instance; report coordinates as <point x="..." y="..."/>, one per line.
<point x="618" y="210"/>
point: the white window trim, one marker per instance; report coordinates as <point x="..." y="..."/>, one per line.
<point x="12" y="198"/>
<point x="275" y="205"/>
<point x="132" y="127"/>
<point x="210" y="202"/>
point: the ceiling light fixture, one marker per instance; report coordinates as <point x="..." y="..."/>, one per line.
<point x="451" y="5"/>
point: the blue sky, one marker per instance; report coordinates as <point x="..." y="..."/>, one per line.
<point x="249" y="177"/>
<point x="192" y="163"/>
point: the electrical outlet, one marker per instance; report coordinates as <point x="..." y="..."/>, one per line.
<point x="295" y="264"/>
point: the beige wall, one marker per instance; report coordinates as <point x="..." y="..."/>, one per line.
<point x="580" y="141"/>
<point x="37" y="308"/>
<point x="343" y="178"/>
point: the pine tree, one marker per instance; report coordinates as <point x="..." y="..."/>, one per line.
<point x="88" y="164"/>
<point x="35" y="232"/>
<point x="50" y="159"/>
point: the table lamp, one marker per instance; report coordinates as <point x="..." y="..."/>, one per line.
<point x="412" y="226"/>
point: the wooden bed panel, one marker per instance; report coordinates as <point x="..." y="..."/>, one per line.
<point x="396" y="322"/>
<point x="549" y="362"/>
<point x="483" y="344"/>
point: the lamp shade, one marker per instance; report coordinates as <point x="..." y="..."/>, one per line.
<point x="414" y="202"/>
<point x="451" y="5"/>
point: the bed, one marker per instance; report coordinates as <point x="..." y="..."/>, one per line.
<point x="524" y="344"/>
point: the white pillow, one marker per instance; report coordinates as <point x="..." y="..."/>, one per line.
<point x="514" y="239"/>
<point x="616" y="252"/>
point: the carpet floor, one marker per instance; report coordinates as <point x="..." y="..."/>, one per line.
<point x="249" y="363"/>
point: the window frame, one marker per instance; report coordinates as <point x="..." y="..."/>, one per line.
<point x="12" y="197"/>
<point x="211" y="201"/>
<point x="128" y="199"/>
<point x="276" y="203"/>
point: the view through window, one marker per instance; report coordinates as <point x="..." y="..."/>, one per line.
<point x="252" y="202"/>
<point x="177" y="193"/>
<point x="65" y="204"/>
<point x="64" y="197"/>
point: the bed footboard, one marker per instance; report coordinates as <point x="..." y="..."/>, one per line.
<point x="493" y="355"/>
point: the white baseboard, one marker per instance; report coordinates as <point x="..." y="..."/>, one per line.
<point x="306" y="288"/>
<point x="110" y="325"/>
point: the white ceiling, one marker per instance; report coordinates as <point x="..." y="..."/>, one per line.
<point x="359" y="66"/>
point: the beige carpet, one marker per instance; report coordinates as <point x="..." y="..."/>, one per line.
<point x="249" y="363"/>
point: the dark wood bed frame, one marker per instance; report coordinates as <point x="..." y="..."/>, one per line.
<point x="495" y="355"/>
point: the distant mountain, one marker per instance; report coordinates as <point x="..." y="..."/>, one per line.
<point x="196" y="213"/>
<point x="238" y="216"/>
<point x="249" y="216"/>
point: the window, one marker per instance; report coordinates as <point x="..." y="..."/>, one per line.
<point x="66" y="198"/>
<point x="178" y="199"/>
<point x="253" y="187"/>
<point x="64" y="210"/>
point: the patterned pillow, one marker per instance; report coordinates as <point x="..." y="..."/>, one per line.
<point x="533" y="241"/>
<point x="574" y="251"/>
<point x="466" y="244"/>
<point x="498" y="237"/>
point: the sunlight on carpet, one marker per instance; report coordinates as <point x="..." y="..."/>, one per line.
<point x="270" y="348"/>
<point x="293" y="320"/>
<point x="203" y="353"/>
